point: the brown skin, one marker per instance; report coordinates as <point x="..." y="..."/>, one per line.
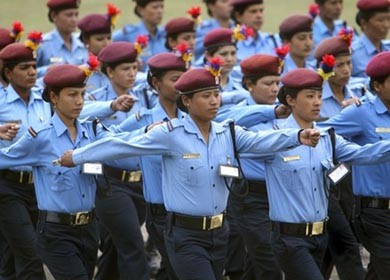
<point x="152" y="15"/>
<point x="95" y="43"/>
<point x="66" y="23"/>
<point x="330" y="11"/>
<point x="253" y="17"/>
<point x="383" y="91"/>
<point x="22" y="78"/>
<point x="184" y="37"/>
<point x="300" y="47"/>
<point x="376" y="28"/>
<point x="122" y="77"/>
<point x="264" y="90"/>
<point x="221" y="11"/>
<point x="8" y="131"/>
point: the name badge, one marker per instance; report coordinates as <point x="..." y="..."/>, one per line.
<point x="56" y="60"/>
<point x="337" y="173"/>
<point x="291" y="158"/>
<point x="189" y="156"/>
<point x="14" y="121"/>
<point x="92" y="168"/>
<point x="229" y="171"/>
<point x="382" y="130"/>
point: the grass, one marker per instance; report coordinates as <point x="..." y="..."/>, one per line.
<point x="33" y="13"/>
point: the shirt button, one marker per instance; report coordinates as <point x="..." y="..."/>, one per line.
<point x="215" y="207"/>
<point x="83" y="195"/>
<point x="314" y="168"/>
<point x="192" y="168"/>
<point x="213" y="185"/>
<point x="295" y="171"/>
<point x="212" y="167"/>
<point x="318" y="212"/>
<point x="315" y="189"/>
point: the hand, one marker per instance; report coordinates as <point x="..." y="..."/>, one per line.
<point x="66" y="159"/>
<point x="8" y="131"/>
<point x="309" y="137"/>
<point x="353" y="100"/>
<point x="123" y="103"/>
<point x="282" y="111"/>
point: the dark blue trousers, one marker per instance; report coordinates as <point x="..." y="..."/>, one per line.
<point x="373" y="229"/>
<point x="300" y="257"/>
<point x="116" y="210"/>
<point x="69" y="252"/>
<point x="7" y="267"/>
<point x="18" y="217"/>
<point x="252" y="215"/>
<point x="156" y="225"/>
<point x="196" y="254"/>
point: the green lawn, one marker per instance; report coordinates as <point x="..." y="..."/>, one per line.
<point x="33" y="13"/>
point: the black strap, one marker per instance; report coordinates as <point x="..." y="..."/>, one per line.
<point x="272" y="36"/>
<point x="333" y="142"/>
<point x="242" y="182"/>
<point x="146" y="97"/>
<point x="94" y="126"/>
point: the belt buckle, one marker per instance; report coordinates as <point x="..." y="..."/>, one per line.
<point x="134" y="176"/>
<point x="388" y="204"/>
<point x="123" y="175"/>
<point x="82" y="218"/>
<point x="317" y="228"/>
<point x="30" y="178"/>
<point x="21" y="177"/>
<point x="216" y="221"/>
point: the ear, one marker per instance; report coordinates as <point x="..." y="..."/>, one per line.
<point x="7" y="73"/>
<point x="185" y="100"/>
<point x="53" y="15"/>
<point x="172" y="42"/>
<point x="377" y="87"/>
<point x="110" y="72"/>
<point x="290" y="101"/>
<point x="53" y="97"/>
<point x="207" y="55"/>
<point x="155" y="83"/>
<point x="238" y="17"/>
<point x="249" y="85"/>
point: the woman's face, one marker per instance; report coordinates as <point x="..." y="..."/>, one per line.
<point x="203" y="105"/>
<point x="152" y="13"/>
<point x="229" y="56"/>
<point x="69" y="102"/>
<point x="23" y="76"/>
<point x="123" y="75"/>
<point x="165" y="85"/>
<point x="253" y="16"/>
<point x="301" y="44"/>
<point x="184" y="37"/>
<point x="342" y="70"/>
<point x="66" y="20"/>
<point x="265" y="90"/>
<point x="221" y="9"/>
<point x="377" y="27"/>
<point x="306" y="105"/>
<point x="96" y="42"/>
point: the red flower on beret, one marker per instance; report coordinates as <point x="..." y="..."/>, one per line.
<point x="17" y="29"/>
<point x="326" y="66"/>
<point x="314" y="10"/>
<point x="328" y="60"/>
<point x="34" y="39"/>
<point x="194" y="12"/>
<point x="141" y="42"/>
<point x="93" y="62"/>
<point x="282" y="51"/>
<point x="346" y="34"/>
<point x="112" y="10"/>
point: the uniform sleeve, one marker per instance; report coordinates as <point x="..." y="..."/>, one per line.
<point x="131" y="123"/>
<point x="96" y="109"/>
<point x="346" y="123"/>
<point x="248" y="116"/>
<point x="350" y="152"/>
<point x="155" y="142"/>
<point x="22" y="152"/>
<point x="266" y="142"/>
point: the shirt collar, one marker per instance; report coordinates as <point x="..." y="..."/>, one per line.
<point x="380" y="108"/>
<point x="143" y="30"/>
<point x="76" y="43"/>
<point x="327" y="92"/>
<point x="370" y="48"/>
<point x="250" y="100"/>
<point x="321" y="27"/>
<point x="60" y="127"/>
<point x="12" y="96"/>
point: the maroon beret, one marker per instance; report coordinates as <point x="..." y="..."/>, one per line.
<point x="95" y="24"/>
<point x="166" y="61"/>
<point x="335" y="46"/>
<point x="62" y="76"/>
<point x="58" y="5"/>
<point x="5" y="37"/>
<point x="245" y="2"/>
<point x="295" y="24"/>
<point x="219" y="37"/>
<point x="379" y="65"/>
<point x="195" y="80"/>
<point x="369" y="5"/>
<point x="118" y="52"/>
<point x="260" y="65"/>
<point x="179" y="25"/>
<point x="15" y="53"/>
<point x="302" y="78"/>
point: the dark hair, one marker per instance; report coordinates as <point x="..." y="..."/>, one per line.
<point x="143" y="4"/>
<point x="240" y="9"/>
<point x="47" y="90"/>
<point x="245" y="80"/>
<point x="105" y="65"/>
<point x="158" y="74"/>
<point x="320" y="2"/>
<point x="10" y="66"/>
<point x="180" y="103"/>
<point x="379" y="80"/>
<point x="173" y="36"/>
<point x="207" y="2"/>
<point x="284" y="91"/>
<point x="366" y="15"/>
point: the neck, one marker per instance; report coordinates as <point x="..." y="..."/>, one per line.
<point x="223" y="22"/>
<point x="385" y="102"/>
<point x="120" y="90"/>
<point x="328" y="22"/>
<point x="152" y="29"/>
<point x="299" y="61"/>
<point x="23" y="93"/>
<point x="303" y="123"/>
<point x="204" y="127"/>
<point x="224" y="79"/>
<point x="169" y="107"/>
<point x="376" y="42"/>
<point x="338" y="91"/>
<point x="68" y="122"/>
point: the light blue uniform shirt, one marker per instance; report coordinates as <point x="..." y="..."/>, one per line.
<point x="57" y="188"/>
<point x="201" y="30"/>
<point x="130" y="32"/>
<point x="321" y="31"/>
<point x="295" y="178"/>
<point x="151" y="166"/>
<point x="264" y="43"/>
<point x="289" y="64"/>
<point x="54" y="51"/>
<point x="14" y="110"/>
<point x="362" y="52"/>
<point x="368" y="123"/>
<point x="330" y="105"/>
<point x="190" y="180"/>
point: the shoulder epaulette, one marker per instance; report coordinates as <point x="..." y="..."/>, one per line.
<point x="174" y="123"/>
<point x="35" y="131"/>
<point x="128" y="28"/>
<point x="47" y="36"/>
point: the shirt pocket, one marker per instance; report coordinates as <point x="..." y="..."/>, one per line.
<point x="59" y="178"/>
<point x="193" y="170"/>
<point x="291" y="176"/>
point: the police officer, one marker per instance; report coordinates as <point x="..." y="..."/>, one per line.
<point x="164" y="70"/>
<point x="61" y="45"/>
<point x="373" y="19"/>
<point x="150" y="13"/>
<point x="370" y="181"/>
<point x="250" y="13"/>
<point x="219" y="16"/>
<point x="197" y="155"/>
<point x="296" y="32"/>
<point x="96" y="34"/>
<point x="22" y="107"/>
<point x="298" y="179"/>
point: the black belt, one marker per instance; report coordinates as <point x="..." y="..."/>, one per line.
<point x="372" y="202"/>
<point x="157" y="209"/>
<point x="302" y="229"/>
<point x="198" y="223"/>
<point x="21" y="177"/>
<point x="257" y="187"/>
<point x="123" y="175"/>
<point x="71" y="219"/>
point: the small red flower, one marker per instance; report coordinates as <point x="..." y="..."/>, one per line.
<point x="216" y="62"/>
<point x="35" y="36"/>
<point x="112" y="10"/>
<point x="182" y="48"/>
<point x="314" y="10"/>
<point x="248" y="32"/>
<point x="194" y="11"/>
<point x="282" y="51"/>
<point x="17" y="27"/>
<point x="329" y="60"/>
<point x="93" y="62"/>
<point x="142" y="40"/>
<point x="346" y="34"/>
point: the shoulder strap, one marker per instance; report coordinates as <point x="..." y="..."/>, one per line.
<point x="146" y="97"/>
<point x="233" y="134"/>
<point x="333" y="141"/>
